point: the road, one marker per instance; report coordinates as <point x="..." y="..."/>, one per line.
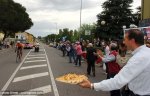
<point x="37" y="72"/>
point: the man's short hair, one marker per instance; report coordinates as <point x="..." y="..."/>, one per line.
<point x="137" y="35"/>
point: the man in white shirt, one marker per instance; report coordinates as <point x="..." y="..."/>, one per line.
<point x="135" y="73"/>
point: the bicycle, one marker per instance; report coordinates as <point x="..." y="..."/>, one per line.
<point x="18" y="55"/>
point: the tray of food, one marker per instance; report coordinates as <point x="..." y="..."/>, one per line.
<point x="72" y="78"/>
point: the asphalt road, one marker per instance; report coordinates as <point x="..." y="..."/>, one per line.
<point x="37" y="72"/>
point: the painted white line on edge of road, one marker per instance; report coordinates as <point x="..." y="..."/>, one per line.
<point x="34" y="61"/>
<point x="34" y="57"/>
<point x="52" y="77"/>
<point x="44" y="89"/>
<point x="34" y="66"/>
<point x="12" y="76"/>
<point x="22" y="78"/>
<point x="39" y="91"/>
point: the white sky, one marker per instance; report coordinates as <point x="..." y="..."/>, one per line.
<point x="49" y="16"/>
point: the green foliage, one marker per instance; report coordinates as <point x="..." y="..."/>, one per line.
<point x="137" y="16"/>
<point x="13" y="17"/>
<point x="88" y="27"/>
<point x="116" y="14"/>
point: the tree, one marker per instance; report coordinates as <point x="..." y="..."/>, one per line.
<point x="116" y="14"/>
<point x="87" y="27"/>
<point x="13" y="18"/>
<point x="75" y="36"/>
<point x="137" y="16"/>
<point x="65" y="33"/>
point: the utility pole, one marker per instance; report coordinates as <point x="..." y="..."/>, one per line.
<point x="80" y="21"/>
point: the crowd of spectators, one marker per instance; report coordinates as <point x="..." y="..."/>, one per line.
<point x="6" y="44"/>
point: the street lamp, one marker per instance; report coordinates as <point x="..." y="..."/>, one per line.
<point x="80" y="13"/>
<point x="80" y="21"/>
<point x="103" y="22"/>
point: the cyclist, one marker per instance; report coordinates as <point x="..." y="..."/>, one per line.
<point x="18" y="49"/>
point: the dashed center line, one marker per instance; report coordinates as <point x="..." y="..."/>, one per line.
<point x="34" y="66"/>
<point x="34" y="57"/>
<point x="34" y="61"/>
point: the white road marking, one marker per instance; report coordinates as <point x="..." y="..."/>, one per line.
<point x="37" y="91"/>
<point x="24" y="94"/>
<point x="34" y="66"/>
<point x="34" y="57"/>
<point x="17" y="79"/>
<point x="52" y="77"/>
<point x="34" y="61"/>
<point x="44" y="89"/>
<point x="13" y="75"/>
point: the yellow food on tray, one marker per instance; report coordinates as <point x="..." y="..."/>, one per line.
<point x="71" y="78"/>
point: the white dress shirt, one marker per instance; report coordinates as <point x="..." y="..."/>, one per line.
<point x="136" y="73"/>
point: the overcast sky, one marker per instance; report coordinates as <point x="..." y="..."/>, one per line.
<point x="49" y="16"/>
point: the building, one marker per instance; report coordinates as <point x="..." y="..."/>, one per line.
<point x="145" y="15"/>
<point x="145" y="9"/>
<point x="1" y="36"/>
<point x="25" y="37"/>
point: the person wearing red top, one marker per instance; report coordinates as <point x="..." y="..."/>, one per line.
<point x="112" y="65"/>
<point x="79" y="53"/>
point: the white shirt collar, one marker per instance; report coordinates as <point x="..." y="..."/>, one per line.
<point x="137" y="49"/>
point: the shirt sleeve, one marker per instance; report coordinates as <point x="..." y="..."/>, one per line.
<point x="108" y="58"/>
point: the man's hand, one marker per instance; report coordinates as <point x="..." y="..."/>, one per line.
<point x="85" y="84"/>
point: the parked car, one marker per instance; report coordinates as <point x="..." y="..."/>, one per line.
<point x="28" y="46"/>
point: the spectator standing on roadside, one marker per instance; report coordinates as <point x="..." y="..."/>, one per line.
<point x="63" y="49"/>
<point x="91" y="58"/>
<point x="112" y="66"/>
<point x="79" y="53"/>
<point x="71" y="53"/>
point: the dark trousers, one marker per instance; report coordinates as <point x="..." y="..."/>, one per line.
<point x="64" y="52"/>
<point x="114" y="92"/>
<point x="78" y="58"/>
<point x="71" y="55"/>
<point x="91" y="65"/>
<point x="132" y="94"/>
